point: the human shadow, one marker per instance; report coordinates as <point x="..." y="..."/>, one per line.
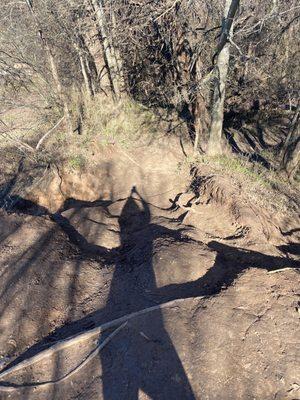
<point x="132" y="288"/>
<point x="133" y="362"/>
<point x="145" y="369"/>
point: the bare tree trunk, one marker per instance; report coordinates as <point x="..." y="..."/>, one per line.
<point x="110" y="60"/>
<point x="215" y="145"/>
<point x="117" y="56"/>
<point x="92" y="73"/>
<point x="82" y="51"/>
<point x="59" y="88"/>
<point x="86" y="78"/>
<point x="53" y="68"/>
<point x="291" y="160"/>
<point x="201" y="122"/>
<point x="201" y="115"/>
<point x="291" y="148"/>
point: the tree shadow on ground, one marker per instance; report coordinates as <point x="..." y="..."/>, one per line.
<point x="129" y="293"/>
<point x="229" y="263"/>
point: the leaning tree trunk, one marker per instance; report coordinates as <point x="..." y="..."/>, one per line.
<point x="86" y="76"/>
<point x="82" y="52"/>
<point x="291" y="149"/>
<point x="90" y="66"/>
<point x="59" y="88"/>
<point x="215" y="144"/>
<point x="109" y="54"/>
<point x="85" y="71"/>
<point x="53" y="67"/>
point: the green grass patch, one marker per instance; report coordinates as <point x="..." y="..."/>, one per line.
<point x="76" y="162"/>
<point x="254" y="172"/>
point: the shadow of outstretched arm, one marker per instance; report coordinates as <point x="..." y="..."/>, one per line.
<point x="79" y="240"/>
<point x="229" y="263"/>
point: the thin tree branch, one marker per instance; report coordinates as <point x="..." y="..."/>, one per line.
<point x="40" y="142"/>
<point x="168" y="10"/>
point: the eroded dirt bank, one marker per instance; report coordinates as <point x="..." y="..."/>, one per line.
<point x="82" y="251"/>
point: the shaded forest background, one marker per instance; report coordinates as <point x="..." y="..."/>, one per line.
<point x="224" y="74"/>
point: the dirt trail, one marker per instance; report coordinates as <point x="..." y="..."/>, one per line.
<point x="84" y="250"/>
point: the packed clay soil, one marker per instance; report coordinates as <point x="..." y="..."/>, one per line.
<point x="200" y="287"/>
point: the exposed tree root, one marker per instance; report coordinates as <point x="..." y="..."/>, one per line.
<point x="75" y="340"/>
<point x="283" y="270"/>
<point x="10" y="386"/>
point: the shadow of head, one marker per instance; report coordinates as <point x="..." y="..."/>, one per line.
<point x="135" y="212"/>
